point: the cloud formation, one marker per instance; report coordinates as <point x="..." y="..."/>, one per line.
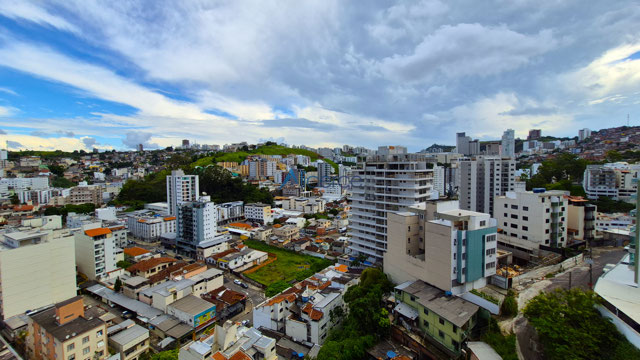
<point x="134" y="138"/>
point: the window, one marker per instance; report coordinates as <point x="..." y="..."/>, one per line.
<point x="525" y="237"/>
<point x="506" y="215"/>
<point x="86" y="350"/>
<point x="547" y="210"/>
<point x="455" y="344"/>
<point x="514" y="207"/>
<point x="441" y="320"/>
<point x="72" y="357"/>
<point x="413" y="298"/>
<point x="85" y="339"/>
<point x="454" y="256"/>
<point x="408" y="240"/>
<point x="490" y="265"/>
<point x="455" y="329"/>
<point x="505" y="223"/>
<point x="547" y="221"/>
<point x="71" y="346"/>
<point x="491" y="251"/>
<point x="441" y="333"/>
<point x="514" y="216"/>
<point x="546" y="231"/>
<point x="99" y="333"/>
<point x="525" y="218"/>
<point x="514" y="226"/>
<point x="505" y="206"/>
<point x="525" y="228"/>
<point x="484" y="222"/>
<point x="425" y="323"/>
<point x="425" y="311"/>
<point x="525" y="208"/>
<point x="464" y="256"/>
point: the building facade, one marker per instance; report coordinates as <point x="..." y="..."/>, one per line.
<point x="482" y="179"/>
<point x="181" y="188"/>
<point x="97" y="253"/>
<point x="258" y="212"/>
<point x="197" y="222"/>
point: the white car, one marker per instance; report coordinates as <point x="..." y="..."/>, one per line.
<point x="237" y="282"/>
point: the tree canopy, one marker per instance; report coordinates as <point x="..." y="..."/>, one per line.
<point x="570" y="327"/>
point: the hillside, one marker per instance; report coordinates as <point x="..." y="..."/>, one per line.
<point x="239" y="156"/>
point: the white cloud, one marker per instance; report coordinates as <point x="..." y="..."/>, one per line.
<point x="6" y="111"/>
<point x="25" y="10"/>
<point x="467" y="49"/>
<point x="29" y="142"/>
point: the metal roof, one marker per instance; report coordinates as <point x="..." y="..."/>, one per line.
<point x="136" y="332"/>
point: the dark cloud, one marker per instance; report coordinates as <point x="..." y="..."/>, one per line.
<point x="89" y="142"/>
<point x="133" y="138"/>
<point x="371" y="128"/>
<point x="14" y="145"/>
<point x="40" y="134"/>
<point x="66" y="133"/>
<point x="298" y="123"/>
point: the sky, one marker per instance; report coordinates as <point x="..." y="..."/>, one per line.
<point x="83" y="74"/>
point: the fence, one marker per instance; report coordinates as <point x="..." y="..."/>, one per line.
<point x="272" y="257"/>
<point x="542" y="271"/>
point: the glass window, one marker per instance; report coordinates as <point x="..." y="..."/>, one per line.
<point x="85" y="339"/>
<point x="86" y="350"/>
<point x="71" y="346"/>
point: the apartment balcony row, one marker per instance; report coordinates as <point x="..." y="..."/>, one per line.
<point x="367" y="236"/>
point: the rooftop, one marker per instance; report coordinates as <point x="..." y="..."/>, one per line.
<point x="192" y="305"/>
<point x="135" y="251"/>
<point x="129" y="335"/>
<point x="149" y="264"/>
<point x="97" y="232"/>
<point x="47" y="320"/>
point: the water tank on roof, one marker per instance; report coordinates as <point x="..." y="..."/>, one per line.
<point x="539" y="190"/>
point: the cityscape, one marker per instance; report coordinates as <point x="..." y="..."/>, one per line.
<point x="294" y="180"/>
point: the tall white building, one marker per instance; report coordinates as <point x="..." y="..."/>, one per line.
<point x="583" y="134"/>
<point x="482" y="179"/>
<point x="197" y="222"/>
<point x="385" y="183"/>
<point x="509" y="144"/>
<point x="466" y="146"/>
<point x="324" y="173"/>
<point x="37" y="268"/>
<point x="533" y="218"/>
<point x="97" y="253"/>
<point x="181" y="188"/>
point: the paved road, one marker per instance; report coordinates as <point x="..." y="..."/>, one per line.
<point x="579" y="276"/>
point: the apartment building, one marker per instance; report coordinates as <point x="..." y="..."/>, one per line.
<point x="230" y="212"/>
<point x="129" y="342"/>
<point x="581" y="218"/>
<point x="165" y="293"/>
<point x="438" y="243"/>
<point x="286" y="233"/>
<point x="197" y="223"/>
<point x="119" y="233"/>
<point x="508" y="143"/>
<point x="600" y="181"/>
<point x="304" y="205"/>
<point x="443" y="320"/>
<point x="181" y="188"/>
<point x="143" y="225"/>
<point x="9" y="185"/>
<point x="303" y="311"/>
<point x="584" y="134"/>
<point x="482" y="178"/>
<point x="466" y="146"/>
<point x="37" y="269"/>
<point x="64" y="332"/>
<point x="85" y="194"/>
<point x="324" y="173"/>
<point x="391" y="181"/>
<point x="258" y="212"/>
<point x="527" y="220"/>
<point x="97" y="253"/>
<point x="150" y="267"/>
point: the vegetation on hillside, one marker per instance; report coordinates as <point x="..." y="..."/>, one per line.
<point x="570" y="327"/>
<point x="565" y="169"/>
<point x="607" y="205"/>
<point x="367" y="321"/>
<point x="70" y="208"/>
<point x="239" y="156"/>
<point x="504" y="345"/>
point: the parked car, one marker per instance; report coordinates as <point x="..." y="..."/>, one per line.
<point x="237" y="282"/>
<point x="244" y="285"/>
<point x="246" y="323"/>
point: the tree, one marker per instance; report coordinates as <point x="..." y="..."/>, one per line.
<point x="509" y="305"/>
<point x="570" y="327"/>
<point x="14" y="199"/>
<point x="123" y="264"/>
<point x="118" y="285"/>
<point x="166" y="355"/>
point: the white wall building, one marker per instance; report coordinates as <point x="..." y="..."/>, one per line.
<point x="97" y="253"/>
<point x="482" y="179"/>
<point x="143" y="225"/>
<point x="508" y="144"/>
<point x="197" y="222"/>
<point x="258" y="212"/>
<point x="181" y="188"/>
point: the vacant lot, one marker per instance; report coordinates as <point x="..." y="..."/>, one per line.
<point x="289" y="266"/>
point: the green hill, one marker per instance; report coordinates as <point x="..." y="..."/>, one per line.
<point x="239" y="156"/>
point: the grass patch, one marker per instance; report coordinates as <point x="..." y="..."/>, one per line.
<point x="485" y="296"/>
<point x="550" y="275"/>
<point x="239" y="156"/>
<point x="289" y="266"/>
<point x="505" y="346"/>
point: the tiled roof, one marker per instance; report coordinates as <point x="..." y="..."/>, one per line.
<point x="168" y="218"/>
<point x="280" y="298"/>
<point x="240" y="356"/>
<point x="135" y="251"/>
<point x="223" y="254"/>
<point x="97" y="232"/>
<point x="314" y="314"/>
<point x="240" y="225"/>
<point x="23" y="208"/>
<point x="165" y="273"/>
<point x="150" y="263"/>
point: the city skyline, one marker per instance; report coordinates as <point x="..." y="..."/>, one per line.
<point x="77" y="75"/>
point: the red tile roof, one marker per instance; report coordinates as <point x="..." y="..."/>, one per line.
<point x="240" y="356"/>
<point x="97" y="232"/>
<point x="280" y="298"/>
<point x="149" y="264"/>
<point x="135" y="251"/>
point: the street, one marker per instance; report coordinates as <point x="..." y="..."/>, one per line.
<point x="255" y="296"/>
<point x="579" y="276"/>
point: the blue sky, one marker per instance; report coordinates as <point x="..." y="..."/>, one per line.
<point x="78" y="74"/>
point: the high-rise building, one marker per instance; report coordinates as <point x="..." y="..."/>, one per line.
<point x="181" y="188"/>
<point x="85" y="194"/>
<point x="438" y="243"/>
<point x="508" y="144"/>
<point x="258" y="212"/>
<point x="466" y="146"/>
<point x="583" y="134"/>
<point x="324" y="173"/>
<point x="197" y="222"/>
<point x="482" y="178"/>
<point x="140" y="147"/>
<point x="534" y="134"/>
<point x="533" y="218"/>
<point x="185" y="143"/>
<point x="385" y="183"/>
<point x="37" y="269"/>
<point x="97" y="253"/>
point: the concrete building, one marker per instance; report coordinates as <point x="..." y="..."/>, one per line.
<point x="324" y="173"/>
<point x="286" y="233"/>
<point x="239" y="260"/>
<point x="531" y="219"/>
<point x="130" y="342"/>
<point x="63" y="332"/>
<point x="143" y="225"/>
<point x="197" y="223"/>
<point x="445" y="321"/>
<point x="534" y="134"/>
<point x="466" y="146"/>
<point x="304" y="205"/>
<point x="85" y="194"/>
<point x="9" y="185"/>
<point x="97" y="253"/>
<point x="584" y="134"/>
<point x="508" y="144"/>
<point x="230" y="212"/>
<point x="181" y="188"/>
<point x="258" y="212"/>
<point x="231" y="342"/>
<point x="37" y="269"/>
<point x="581" y="218"/>
<point x="303" y="311"/>
<point x="386" y="183"/>
<point x="482" y="179"/>
<point x="150" y="267"/>
<point x="440" y="244"/>
<point x="600" y="181"/>
<point x="193" y="310"/>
